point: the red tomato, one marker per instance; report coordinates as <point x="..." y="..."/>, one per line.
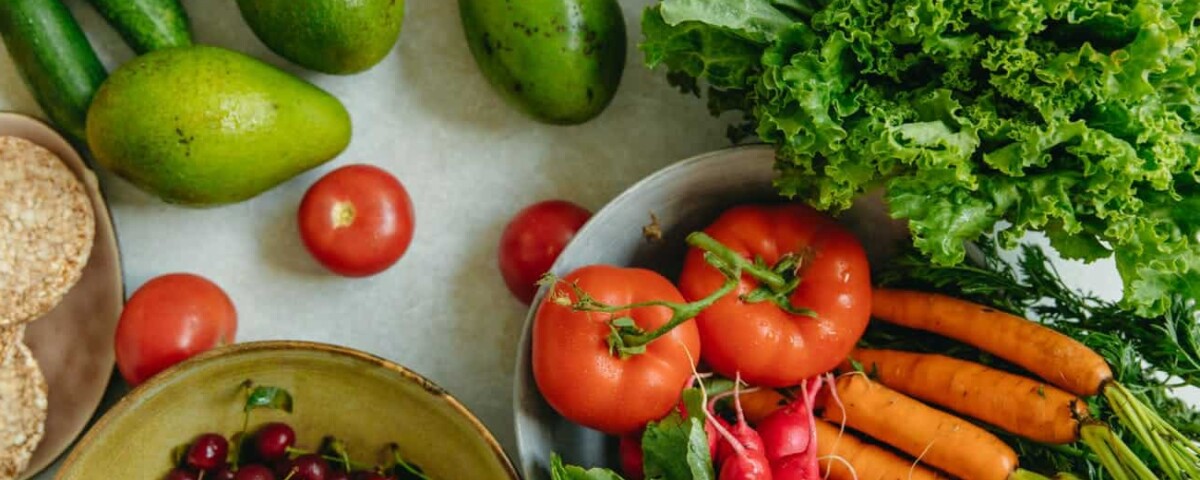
<point x="170" y="319"/>
<point x="769" y="346"/>
<point x="588" y="384"/>
<point x="356" y="220"/>
<point x="532" y="241"/>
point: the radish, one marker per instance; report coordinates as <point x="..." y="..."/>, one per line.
<point x="789" y="439"/>
<point x="630" y="450"/>
<point x="741" y="453"/>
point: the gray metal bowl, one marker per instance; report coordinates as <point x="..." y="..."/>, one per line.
<point x="685" y="197"/>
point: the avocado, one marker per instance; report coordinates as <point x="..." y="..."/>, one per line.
<point x="331" y="36"/>
<point x="203" y="125"/>
<point x="559" y="61"/>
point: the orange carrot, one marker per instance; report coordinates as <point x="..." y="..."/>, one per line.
<point x="836" y="449"/>
<point x="937" y="438"/>
<point x="1016" y="404"/>
<point x="758" y="404"/>
<point x="1054" y="357"/>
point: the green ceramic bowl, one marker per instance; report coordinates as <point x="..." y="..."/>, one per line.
<point x="364" y="400"/>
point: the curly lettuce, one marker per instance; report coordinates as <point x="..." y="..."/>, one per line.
<point x="1076" y="118"/>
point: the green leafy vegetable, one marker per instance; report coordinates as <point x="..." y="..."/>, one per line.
<point x="560" y="471"/>
<point x="676" y="448"/>
<point x="1077" y="118"/>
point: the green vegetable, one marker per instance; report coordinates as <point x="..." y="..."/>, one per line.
<point x="674" y="448"/>
<point x="331" y="36"/>
<point x="54" y="58"/>
<point x="147" y="25"/>
<point x="1146" y="361"/>
<point x="205" y="126"/>
<point x="558" y="61"/>
<point x="560" y="471"/>
<point x="1077" y="118"/>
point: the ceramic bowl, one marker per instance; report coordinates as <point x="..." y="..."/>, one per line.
<point x="73" y="343"/>
<point x="364" y="400"/>
<point x="685" y="197"/>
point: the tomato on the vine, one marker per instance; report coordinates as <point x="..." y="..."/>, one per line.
<point x="803" y="301"/>
<point x="533" y="239"/>
<point x="357" y="220"/>
<point x="170" y="319"/>
<point x="615" y="385"/>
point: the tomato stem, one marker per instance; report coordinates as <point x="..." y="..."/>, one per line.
<point x="681" y="312"/>
<point x="779" y="281"/>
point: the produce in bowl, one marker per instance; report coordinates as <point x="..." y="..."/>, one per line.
<point x="367" y="402"/>
<point x="949" y="381"/>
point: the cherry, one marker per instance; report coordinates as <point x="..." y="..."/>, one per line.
<point x="255" y="472"/>
<point x="273" y="440"/>
<point x="208" y="452"/>
<point x="181" y="474"/>
<point x="310" y="467"/>
<point x="224" y="473"/>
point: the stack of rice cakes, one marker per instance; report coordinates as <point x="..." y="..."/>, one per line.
<point x="47" y="227"/>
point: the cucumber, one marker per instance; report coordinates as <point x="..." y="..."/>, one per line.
<point x="54" y="58"/>
<point x="147" y="25"/>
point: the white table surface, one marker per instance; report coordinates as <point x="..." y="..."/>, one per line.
<point x="469" y="162"/>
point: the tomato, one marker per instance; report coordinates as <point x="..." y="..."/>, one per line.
<point x="357" y="220"/>
<point x="767" y="344"/>
<point x="532" y="241"/>
<point x="170" y="319"/>
<point x="583" y="380"/>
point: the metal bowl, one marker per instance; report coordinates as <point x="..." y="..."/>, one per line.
<point x="684" y="197"/>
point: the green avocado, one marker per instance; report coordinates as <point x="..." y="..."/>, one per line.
<point x="204" y="126"/>
<point x="331" y="36"/>
<point x="559" y="61"/>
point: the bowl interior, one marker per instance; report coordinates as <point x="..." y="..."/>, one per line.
<point x="363" y="400"/>
<point x="684" y="197"/>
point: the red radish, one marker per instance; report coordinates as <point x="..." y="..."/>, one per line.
<point x="740" y="454"/>
<point x="790" y="438"/>
<point x="789" y="430"/>
<point x="630" y="450"/>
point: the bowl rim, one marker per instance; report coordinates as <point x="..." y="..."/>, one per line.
<point x="128" y="401"/>
<point x="525" y="342"/>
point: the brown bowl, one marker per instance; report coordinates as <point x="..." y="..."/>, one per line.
<point x="364" y="400"/>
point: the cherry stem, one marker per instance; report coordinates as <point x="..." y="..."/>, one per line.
<point x="773" y="280"/>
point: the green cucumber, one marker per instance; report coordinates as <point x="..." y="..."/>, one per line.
<point x="147" y="25"/>
<point x="54" y="58"/>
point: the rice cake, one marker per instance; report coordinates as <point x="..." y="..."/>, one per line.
<point x="22" y="411"/>
<point x="47" y="227"/>
<point x="9" y="338"/>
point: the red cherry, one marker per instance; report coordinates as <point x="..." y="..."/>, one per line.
<point x="273" y="440"/>
<point x="208" y="452"/>
<point x="181" y="474"/>
<point x="255" y="472"/>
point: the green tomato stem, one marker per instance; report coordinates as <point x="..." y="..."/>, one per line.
<point x="681" y="312"/>
<point x="773" y="280"/>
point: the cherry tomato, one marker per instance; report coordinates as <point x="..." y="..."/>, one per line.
<point x="532" y="241"/>
<point x="585" y="382"/>
<point x="357" y="220"/>
<point x="170" y="319"/>
<point x="769" y="346"/>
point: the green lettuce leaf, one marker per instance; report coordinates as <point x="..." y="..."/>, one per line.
<point x="1076" y="118"/>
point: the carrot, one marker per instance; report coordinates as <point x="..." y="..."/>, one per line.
<point x="937" y="438"/>
<point x="758" y="404"/>
<point x="869" y="462"/>
<point x="1018" y="405"/>
<point x="1054" y="357"/>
